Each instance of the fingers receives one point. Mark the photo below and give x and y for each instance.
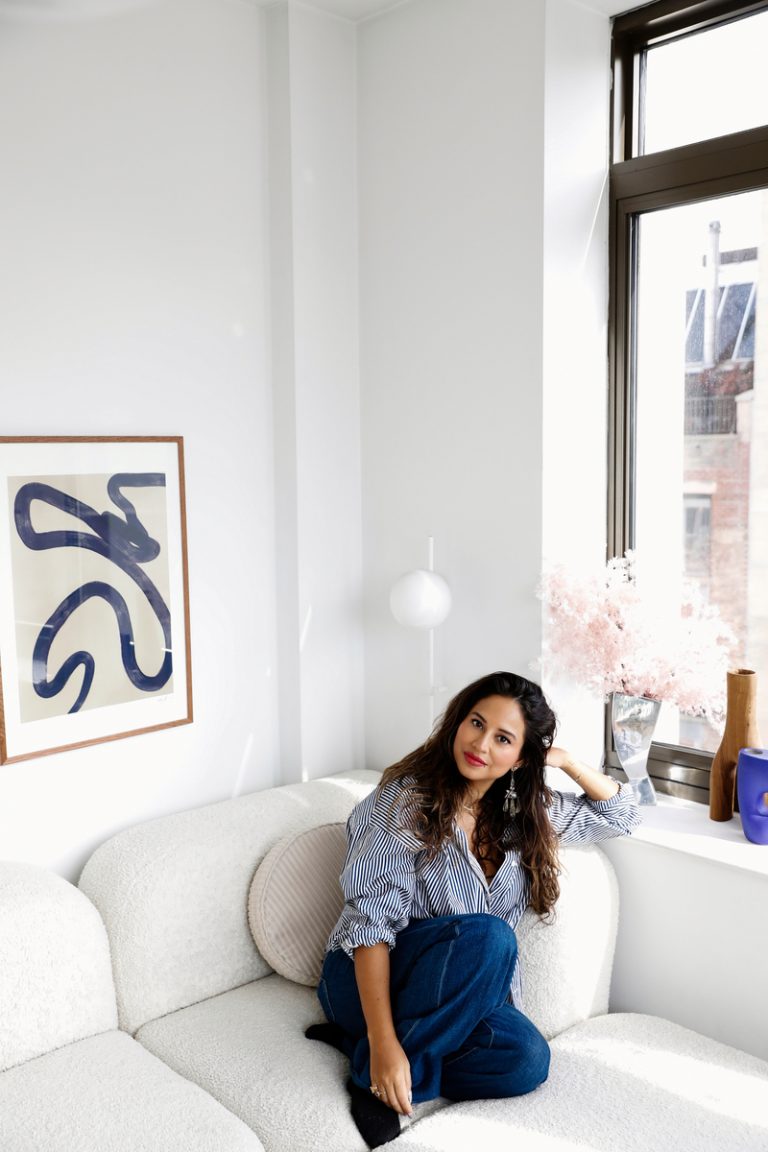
(402, 1102)
(391, 1077)
(396, 1096)
(395, 1099)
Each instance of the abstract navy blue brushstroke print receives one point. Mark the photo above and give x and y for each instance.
(124, 542)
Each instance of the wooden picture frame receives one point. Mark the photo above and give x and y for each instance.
(94, 592)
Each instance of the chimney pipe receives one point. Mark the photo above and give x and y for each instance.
(711, 295)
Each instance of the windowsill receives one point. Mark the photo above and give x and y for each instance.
(684, 826)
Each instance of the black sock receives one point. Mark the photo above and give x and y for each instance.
(328, 1033)
(376, 1123)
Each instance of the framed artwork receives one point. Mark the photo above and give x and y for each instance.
(94, 615)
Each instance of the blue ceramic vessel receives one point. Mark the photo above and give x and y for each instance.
(752, 787)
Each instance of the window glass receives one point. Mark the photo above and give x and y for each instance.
(707, 84)
(701, 495)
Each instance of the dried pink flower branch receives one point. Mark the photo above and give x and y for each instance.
(602, 633)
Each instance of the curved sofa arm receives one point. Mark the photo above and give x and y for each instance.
(55, 975)
(566, 963)
(173, 892)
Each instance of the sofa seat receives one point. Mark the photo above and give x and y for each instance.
(108, 1094)
(619, 1083)
(70, 1081)
(247, 1048)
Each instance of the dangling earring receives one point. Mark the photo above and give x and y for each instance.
(511, 806)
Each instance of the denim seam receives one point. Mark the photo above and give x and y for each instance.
(449, 1061)
(405, 1036)
(470, 1051)
(442, 974)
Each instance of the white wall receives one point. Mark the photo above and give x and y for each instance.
(575, 376)
(317, 429)
(451, 201)
(178, 256)
(692, 943)
(484, 228)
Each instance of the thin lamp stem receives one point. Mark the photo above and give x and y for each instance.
(431, 553)
(431, 678)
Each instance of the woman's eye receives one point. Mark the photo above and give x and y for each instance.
(504, 739)
(475, 722)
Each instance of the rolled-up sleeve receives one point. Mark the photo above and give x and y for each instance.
(379, 872)
(579, 820)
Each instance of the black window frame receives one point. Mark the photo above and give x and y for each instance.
(638, 184)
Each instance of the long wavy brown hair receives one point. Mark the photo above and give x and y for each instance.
(439, 788)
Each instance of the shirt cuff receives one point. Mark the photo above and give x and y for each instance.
(624, 793)
(366, 938)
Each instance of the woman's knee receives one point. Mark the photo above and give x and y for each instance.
(533, 1064)
(491, 933)
(527, 1067)
(500, 1066)
(527, 1052)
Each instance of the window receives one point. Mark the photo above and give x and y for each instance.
(688, 356)
(697, 559)
(715, 80)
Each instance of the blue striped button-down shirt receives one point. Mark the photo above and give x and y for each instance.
(389, 878)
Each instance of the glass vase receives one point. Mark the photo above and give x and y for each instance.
(633, 721)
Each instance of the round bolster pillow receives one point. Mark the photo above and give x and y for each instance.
(295, 900)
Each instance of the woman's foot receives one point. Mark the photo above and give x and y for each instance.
(376, 1123)
(328, 1033)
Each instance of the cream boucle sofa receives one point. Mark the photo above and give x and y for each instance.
(189, 1041)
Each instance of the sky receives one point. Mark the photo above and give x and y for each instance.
(708, 84)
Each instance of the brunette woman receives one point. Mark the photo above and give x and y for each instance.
(420, 982)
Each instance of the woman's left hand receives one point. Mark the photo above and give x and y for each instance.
(596, 785)
(559, 758)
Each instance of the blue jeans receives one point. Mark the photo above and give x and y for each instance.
(449, 984)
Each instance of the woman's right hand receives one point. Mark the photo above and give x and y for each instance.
(391, 1073)
(390, 1070)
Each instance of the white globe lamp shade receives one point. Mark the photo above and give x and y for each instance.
(420, 599)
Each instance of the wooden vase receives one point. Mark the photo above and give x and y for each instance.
(740, 732)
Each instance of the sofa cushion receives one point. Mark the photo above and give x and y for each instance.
(247, 1048)
(109, 1094)
(295, 900)
(566, 961)
(55, 973)
(628, 1082)
(173, 892)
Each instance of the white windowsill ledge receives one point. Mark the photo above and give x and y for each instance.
(685, 826)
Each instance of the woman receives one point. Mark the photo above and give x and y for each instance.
(420, 983)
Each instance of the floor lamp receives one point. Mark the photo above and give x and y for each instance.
(422, 599)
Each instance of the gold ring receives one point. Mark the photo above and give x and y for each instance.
(375, 1090)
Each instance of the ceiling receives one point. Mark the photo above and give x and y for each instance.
(355, 10)
(363, 9)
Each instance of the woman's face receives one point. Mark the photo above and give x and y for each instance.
(489, 742)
